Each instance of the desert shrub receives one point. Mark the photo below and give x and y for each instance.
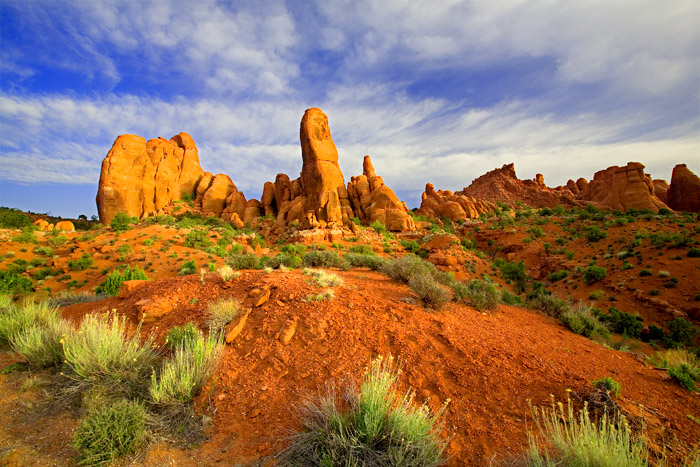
(593, 233)
(282, 259)
(41, 344)
(405, 267)
(622, 322)
(114, 281)
(198, 239)
(220, 313)
(18, 319)
(682, 333)
(296, 249)
(645, 273)
(512, 271)
(429, 291)
(109, 432)
(13, 218)
(12, 283)
(379, 227)
(322, 278)
(376, 426)
(324, 259)
(121, 222)
(508, 298)
(82, 263)
(357, 260)
(683, 375)
(180, 335)
(581, 320)
(71, 298)
(594, 274)
(412, 246)
(596, 295)
(582, 441)
(558, 275)
(694, 253)
(243, 261)
(362, 249)
(459, 289)
(187, 268)
(27, 235)
(124, 251)
(483, 294)
(183, 375)
(549, 304)
(104, 351)
(43, 250)
(57, 240)
(610, 385)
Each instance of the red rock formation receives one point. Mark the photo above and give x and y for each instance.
(327, 203)
(622, 188)
(684, 190)
(454, 206)
(661, 190)
(503, 185)
(373, 201)
(139, 178)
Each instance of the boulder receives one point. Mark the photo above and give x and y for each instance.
(684, 190)
(453, 206)
(65, 225)
(214, 198)
(140, 177)
(623, 188)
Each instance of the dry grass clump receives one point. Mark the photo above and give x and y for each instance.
(327, 294)
(322, 278)
(220, 313)
(227, 273)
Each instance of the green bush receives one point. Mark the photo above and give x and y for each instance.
(623, 323)
(379, 227)
(324, 259)
(508, 298)
(376, 426)
(694, 253)
(13, 218)
(682, 333)
(593, 233)
(412, 246)
(82, 263)
(12, 283)
(581, 320)
(483, 294)
(558, 275)
(198, 239)
(188, 268)
(610, 385)
(645, 273)
(357, 260)
(121, 222)
(683, 375)
(183, 375)
(27, 235)
(103, 351)
(362, 249)
(243, 261)
(594, 274)
(43, 250)
(114, 281)
(281, 259)
(109, 432)
(296, 249)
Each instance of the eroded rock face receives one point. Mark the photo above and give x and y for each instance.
(503, 185)
(453, 206)
(622, 188)
(684, 191)
(327, 203)
(373, 201)
(141, 177)
(661, 190)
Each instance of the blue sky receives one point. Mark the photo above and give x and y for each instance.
(437, 92)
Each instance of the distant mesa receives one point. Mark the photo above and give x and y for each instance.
(140, 178)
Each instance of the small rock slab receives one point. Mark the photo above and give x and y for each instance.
(287, 332)
(128, 287)
(264, 297)
(234, 328)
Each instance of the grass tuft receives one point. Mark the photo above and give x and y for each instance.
(220, 313)
(322, 278)
(379, 427)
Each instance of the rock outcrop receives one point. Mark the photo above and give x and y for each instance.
(619, 188)
(661, 190)
(141, 177)
(503, 185)
(373, 201)
(327, 203)
(684, 191)
(453, 206)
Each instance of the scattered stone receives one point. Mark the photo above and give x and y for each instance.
(264, 297)
(234, 328)
(287, 332)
